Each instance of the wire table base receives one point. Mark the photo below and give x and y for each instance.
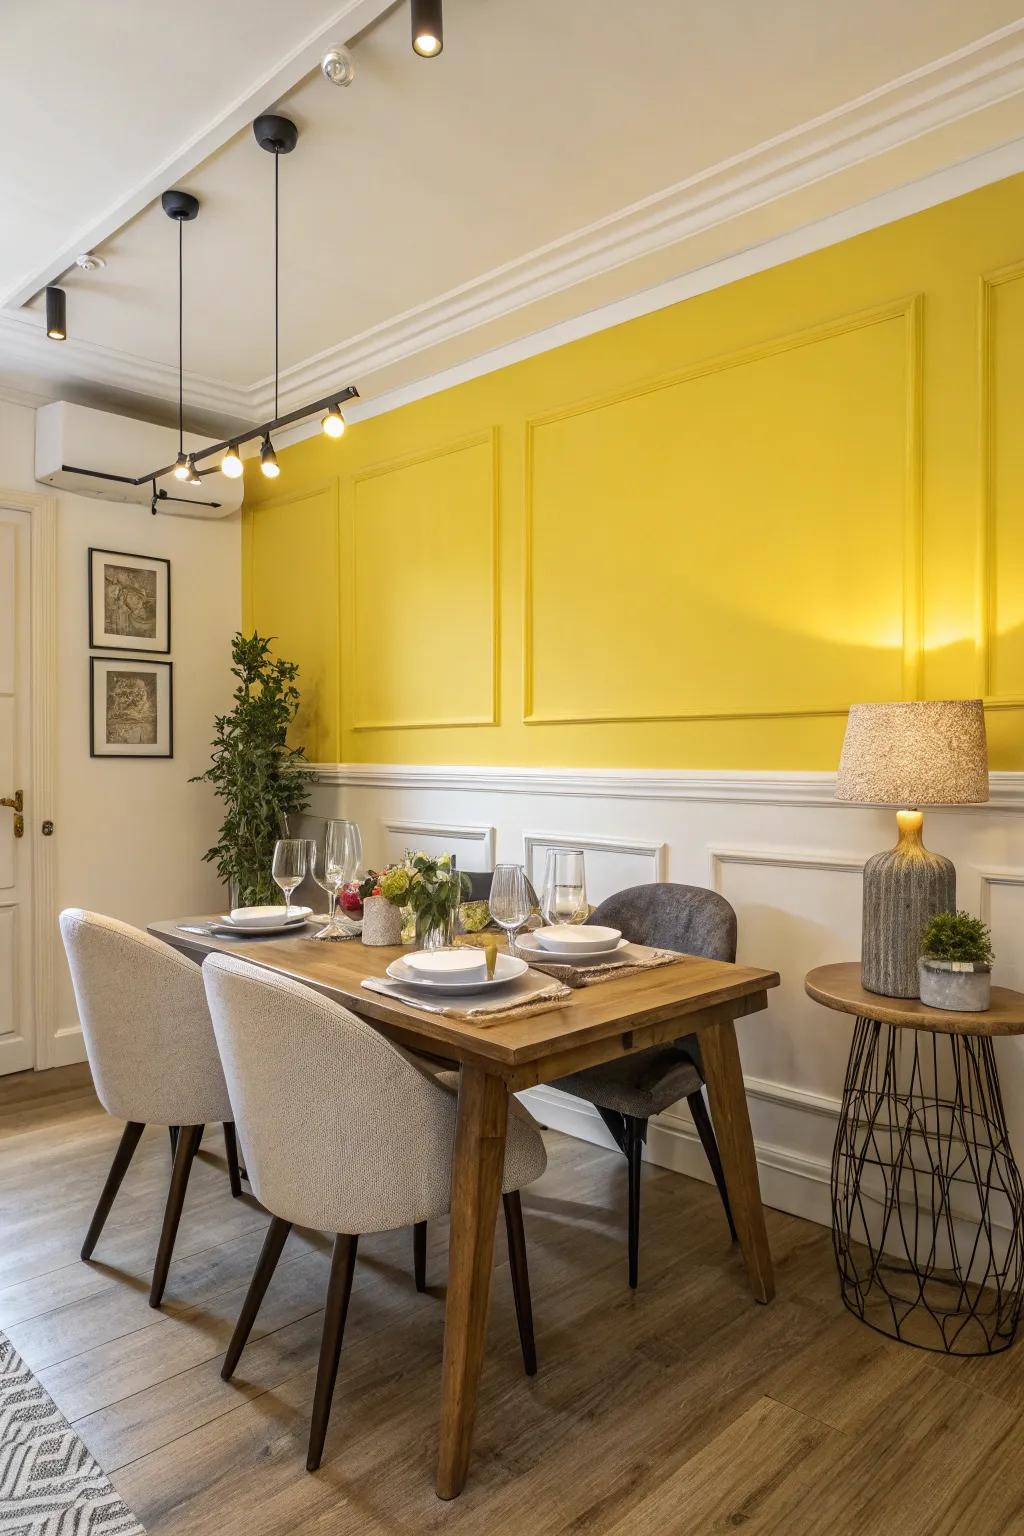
(927, 1200)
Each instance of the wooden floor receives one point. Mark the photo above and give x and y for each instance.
(681, 1408)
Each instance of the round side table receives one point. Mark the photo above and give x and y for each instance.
(927, 1200)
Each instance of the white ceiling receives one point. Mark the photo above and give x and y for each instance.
(435, 208)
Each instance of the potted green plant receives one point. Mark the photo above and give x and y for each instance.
(253, 771)
(955, 967)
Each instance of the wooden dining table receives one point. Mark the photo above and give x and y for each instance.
(594, 1024)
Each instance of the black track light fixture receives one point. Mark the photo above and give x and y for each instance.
(333, 423)
(56, 314)
(231, 464)
(192, 475)
(181, 207)
(427, 28)
(268, 459)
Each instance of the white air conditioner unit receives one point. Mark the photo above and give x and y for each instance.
(75, 444)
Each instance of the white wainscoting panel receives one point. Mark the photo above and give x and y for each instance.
(785, 855)
(473, 846)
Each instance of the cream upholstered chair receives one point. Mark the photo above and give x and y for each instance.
(345, 1133)
(153, 1057)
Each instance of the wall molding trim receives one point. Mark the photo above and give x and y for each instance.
(751, 787)
(982, 74)
(460, 832)
(641, 848)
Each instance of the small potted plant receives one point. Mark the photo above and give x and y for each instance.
(956, 963)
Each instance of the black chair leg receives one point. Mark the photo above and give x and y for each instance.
(419, 1254)
(705, 1130)
(231, 1151)
(616, 1125)
(189, 1137)
(172, 1131)
(118, 1168)
(277, 1236)
(636, 1135)
(520, 1278)
(339, 1290)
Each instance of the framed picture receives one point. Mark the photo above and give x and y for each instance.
(129, 602)
(131, 709)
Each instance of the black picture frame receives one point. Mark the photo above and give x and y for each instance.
(137, 663)
(99, 640)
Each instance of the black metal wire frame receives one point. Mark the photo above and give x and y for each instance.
(927, 1200)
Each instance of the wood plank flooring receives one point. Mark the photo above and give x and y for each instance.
(684, 1407)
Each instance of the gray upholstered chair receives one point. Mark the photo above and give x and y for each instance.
(153, 1057)
(627, 1092)
(346, 1133)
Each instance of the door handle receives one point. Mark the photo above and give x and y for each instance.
(16, 802)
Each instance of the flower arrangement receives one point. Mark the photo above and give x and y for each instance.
(428, 888)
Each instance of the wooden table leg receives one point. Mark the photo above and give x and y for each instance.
(477, 1169)
(736, 1147)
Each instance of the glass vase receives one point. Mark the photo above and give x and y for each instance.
(435, 929)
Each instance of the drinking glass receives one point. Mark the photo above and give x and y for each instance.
(509, 904)
(339, 863)
(316, 849)
(564, 895)
(289, 868)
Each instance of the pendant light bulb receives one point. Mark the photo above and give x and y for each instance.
(427, 28)
(333, 424)
(268, 459)
(231, 464)
(181, 467)
(192, 475)
(56, 314)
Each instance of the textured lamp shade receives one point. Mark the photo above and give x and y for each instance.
(931, 752)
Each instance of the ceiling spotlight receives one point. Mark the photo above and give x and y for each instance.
(90, 262)
(268, 459)
(181, 467)
(333, 423)
(182, 207)
(56, 314)
(231, 464)
(338, 66)
(192, 475)
(427, 28)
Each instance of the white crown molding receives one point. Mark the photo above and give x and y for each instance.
(350, 18)
(983, 74)
(751, 788)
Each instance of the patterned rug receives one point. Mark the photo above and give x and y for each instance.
(49, 1483)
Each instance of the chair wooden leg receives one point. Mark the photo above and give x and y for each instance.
(339, 1290)
(634, 1149)
(520, 1278)
(231, 1151)
(118, 1168)
(277, 1236)
(419, 1254)
(705, 1130)
(189, 1137)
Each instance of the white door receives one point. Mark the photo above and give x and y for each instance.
(17, 1046)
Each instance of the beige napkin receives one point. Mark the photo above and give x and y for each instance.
(635, 959)
(530, 994)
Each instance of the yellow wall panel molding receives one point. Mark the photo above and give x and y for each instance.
(908, 311)
(442, 655)
(987, 552)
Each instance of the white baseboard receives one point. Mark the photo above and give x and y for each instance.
(66, 1047)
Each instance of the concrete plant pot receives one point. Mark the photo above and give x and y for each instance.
(956, 985)
(382, 921)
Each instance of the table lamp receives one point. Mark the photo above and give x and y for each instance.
(929, 752)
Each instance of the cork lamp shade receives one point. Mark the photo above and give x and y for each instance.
(924, 752)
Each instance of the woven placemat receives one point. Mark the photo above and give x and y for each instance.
(534, 997)
(636, 958)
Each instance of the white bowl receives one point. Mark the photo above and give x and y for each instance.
(266, 917)
(576, 938)
(448, 964)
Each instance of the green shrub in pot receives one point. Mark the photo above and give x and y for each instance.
(956, 963)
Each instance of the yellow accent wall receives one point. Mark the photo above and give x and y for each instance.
(688, 541)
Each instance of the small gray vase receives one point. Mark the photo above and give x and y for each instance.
(954, 985)
(382, 921)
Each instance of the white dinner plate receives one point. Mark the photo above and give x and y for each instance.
(506, 968)
(265, 917)
(527, 945)
(298, 920)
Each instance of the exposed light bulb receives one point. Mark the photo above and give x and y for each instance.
(231, 464)
(181, 467)
(192, 474)
(333, 424)
(268, 459)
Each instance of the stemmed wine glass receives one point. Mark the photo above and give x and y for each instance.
(564, 895)
(289, 868)
(510, 902)
(340, 861)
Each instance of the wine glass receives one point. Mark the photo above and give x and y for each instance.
(289, 868)
(564, 895)
(340, 862)
(316, 848)
(509, 902)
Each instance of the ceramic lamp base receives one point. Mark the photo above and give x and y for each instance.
(903, 888)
